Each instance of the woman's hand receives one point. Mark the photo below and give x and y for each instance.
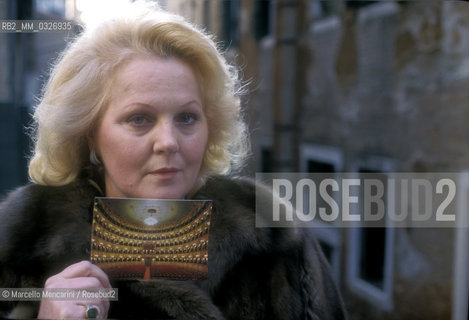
(80, 275)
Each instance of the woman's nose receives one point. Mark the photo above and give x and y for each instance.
(165, 138)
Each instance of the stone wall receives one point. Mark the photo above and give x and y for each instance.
(386, 81)
(390, 81)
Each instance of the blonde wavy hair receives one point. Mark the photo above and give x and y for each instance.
(78, 92)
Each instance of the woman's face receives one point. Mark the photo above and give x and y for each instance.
(153, 134)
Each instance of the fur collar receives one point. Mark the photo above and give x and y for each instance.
(255, 273)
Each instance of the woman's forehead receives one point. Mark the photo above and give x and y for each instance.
(154, 79)
(146, 69)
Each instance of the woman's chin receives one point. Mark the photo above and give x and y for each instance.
(162, 194)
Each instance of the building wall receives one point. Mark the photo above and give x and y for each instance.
(379, 84)
(204, 13)
(418, 116)
(416, 62)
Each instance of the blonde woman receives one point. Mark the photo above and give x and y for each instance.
(145, 106)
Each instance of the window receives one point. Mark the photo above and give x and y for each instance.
(325, 159)
(323, 8)
(266, 159)
(372, 243)
(319, 166)
(370, 255)
(321, 159)
(357, 4)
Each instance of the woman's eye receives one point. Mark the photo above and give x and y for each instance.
(138, 120)
(187, 118)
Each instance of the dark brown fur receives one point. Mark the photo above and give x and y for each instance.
(254, 273)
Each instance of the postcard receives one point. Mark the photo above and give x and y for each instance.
(148, 239)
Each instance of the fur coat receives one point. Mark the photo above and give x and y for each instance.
(254, 273)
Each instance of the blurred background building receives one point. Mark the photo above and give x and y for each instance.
(25, 59)
(334, 86)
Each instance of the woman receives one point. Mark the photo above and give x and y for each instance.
(146, 107)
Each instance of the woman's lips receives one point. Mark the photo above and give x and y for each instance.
(165, 173)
